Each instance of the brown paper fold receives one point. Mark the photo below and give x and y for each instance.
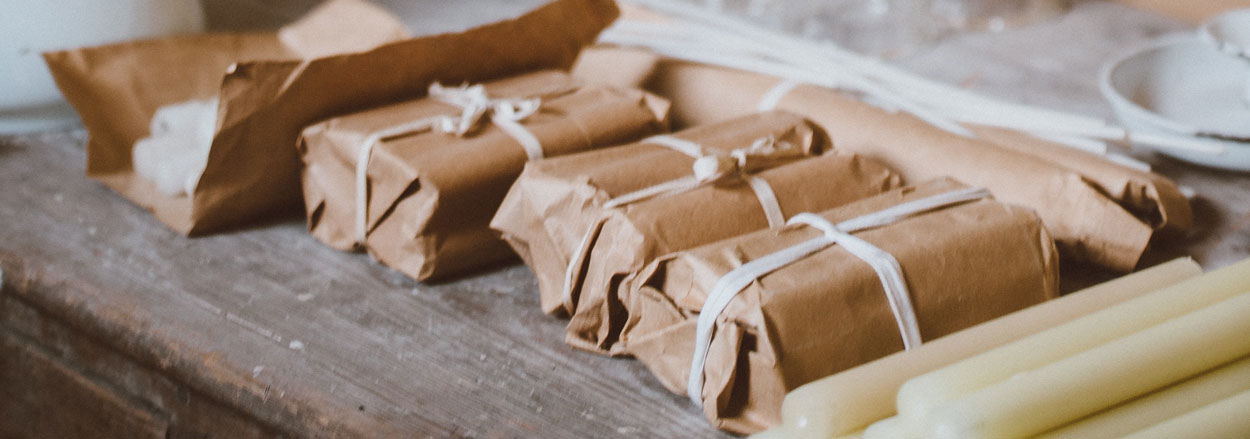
(963, 264)
(621, 67)
(431, 195)
(630, 238)
(554, 203)
(618, 242)
(1151, 197)
(116, 88)
(1098, 212)
(253, 166)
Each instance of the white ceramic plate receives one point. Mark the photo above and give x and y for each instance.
(1184, 86)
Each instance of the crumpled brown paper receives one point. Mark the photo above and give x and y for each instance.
(553, 204)
(1098, 212)
(963, 264)
(627, 239)
(116, 89)
(268, 94)
(431, 194)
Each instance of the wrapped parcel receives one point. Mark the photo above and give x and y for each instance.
(757, 324)
(422, 197)
(554, 214)
(627, 239)
(1098, 212)
(346, 56)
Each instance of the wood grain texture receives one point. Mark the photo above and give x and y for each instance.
(45, 399)
(307, 340)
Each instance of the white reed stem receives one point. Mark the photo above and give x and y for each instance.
(719, 39)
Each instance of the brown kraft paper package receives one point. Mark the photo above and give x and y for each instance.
(116, 88)
(628, 238)
(548, 212)
(268, 95)
(827, 312)
(1098, 212)
(431, 195)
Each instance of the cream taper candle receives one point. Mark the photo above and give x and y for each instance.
(1211, 386)
(1035, 401)
(892, 428)
(1221, 420)
(853, 399)
(917, 396)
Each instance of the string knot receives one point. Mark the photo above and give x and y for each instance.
(475, 105)
(764, 152)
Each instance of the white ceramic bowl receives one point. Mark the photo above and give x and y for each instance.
(29, 99)
(1230, 32)
(1183, 86)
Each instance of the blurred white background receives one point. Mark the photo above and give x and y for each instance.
(422, 16)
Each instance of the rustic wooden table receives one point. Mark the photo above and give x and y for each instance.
(113, 326)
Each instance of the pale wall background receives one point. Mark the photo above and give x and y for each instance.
(422, 16)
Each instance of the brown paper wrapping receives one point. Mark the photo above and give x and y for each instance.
(621, 67)
(963, 265)
(1151, 197)
(629, 238)
(1099, 213)
(431, 194)
(116, 88)
(555, 202)
(268, 95)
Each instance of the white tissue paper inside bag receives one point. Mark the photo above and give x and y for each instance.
(175, 152)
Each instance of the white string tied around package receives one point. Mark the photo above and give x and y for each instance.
(883, 263)
(708, 168)
(475, 105)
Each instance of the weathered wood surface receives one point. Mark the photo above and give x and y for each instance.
(308, 340)
(272, 333)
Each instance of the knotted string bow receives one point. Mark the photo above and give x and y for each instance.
(764, 152)
(887, 268)
(475, 105)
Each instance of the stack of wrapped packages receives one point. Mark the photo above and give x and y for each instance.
(1100, 213)
(588, 222)
(778, 237)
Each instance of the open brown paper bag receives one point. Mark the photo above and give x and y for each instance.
(431, 195)
(268, 94)
(117, 88)
(963, 264)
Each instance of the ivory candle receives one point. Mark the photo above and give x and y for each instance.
(1214, 385)
(919, 395)
(892, 428)
(1220, 420)
(1035, 401)
(853, 399)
